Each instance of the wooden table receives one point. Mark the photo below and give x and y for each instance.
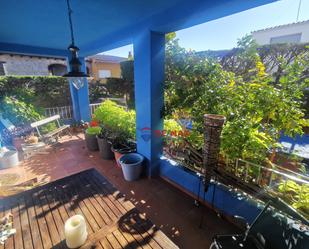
(112, 221)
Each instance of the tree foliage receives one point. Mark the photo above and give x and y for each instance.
(123, 86)
(42, 91)
(257, 105)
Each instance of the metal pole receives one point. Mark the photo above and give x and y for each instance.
(298, 11)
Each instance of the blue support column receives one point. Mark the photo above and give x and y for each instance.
(80, 99)
(149, 51)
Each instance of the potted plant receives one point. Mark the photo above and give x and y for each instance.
(90, 137)
(122, 145)
(132, 166)
(77, 127)
(104, 143)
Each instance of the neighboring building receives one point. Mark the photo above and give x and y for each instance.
(99, 67)
(289, 33)
(12, 64)
(102, 66)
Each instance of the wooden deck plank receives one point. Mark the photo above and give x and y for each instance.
(53, 231)
(105, 212)
(90, 203)
(9, 243)
(68, 209)
(47, 243)
(2, 214)
(103, 200)
(78, 199)
(124, 207)
(112, 221)
(113, 241)
(72, 203)
(34, 226)
(122, 240)
(106, 245)
(53, 207)
(25, 227)
(109, 196)
(18, 240)
(160, 238)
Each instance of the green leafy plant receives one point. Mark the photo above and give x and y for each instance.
(19, 112)
(116, 120)
(296, 195)
(171, 126)
(95, 130)
(43, 91)
(258, 106)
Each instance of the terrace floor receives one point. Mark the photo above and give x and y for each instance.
(168, 208)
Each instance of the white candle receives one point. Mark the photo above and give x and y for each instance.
(75, 231)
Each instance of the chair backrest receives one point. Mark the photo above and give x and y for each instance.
(45, 121)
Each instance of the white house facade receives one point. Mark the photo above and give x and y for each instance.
(288, 33)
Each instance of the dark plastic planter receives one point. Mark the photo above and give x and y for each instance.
(105, 148)
(132, 166)
(119, 151)
(91, 142)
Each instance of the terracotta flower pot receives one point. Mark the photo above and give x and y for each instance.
(119, 151)
(117, 156)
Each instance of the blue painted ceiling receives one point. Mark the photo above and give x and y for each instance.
(103, 24)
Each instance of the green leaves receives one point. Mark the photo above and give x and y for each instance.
(18, 112)
(296, 195)
(258, 106)
(95, 130)
(119, 122)
(42, 91)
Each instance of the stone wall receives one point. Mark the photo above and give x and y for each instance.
(28, 65)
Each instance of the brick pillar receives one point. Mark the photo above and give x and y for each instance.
(212, 131)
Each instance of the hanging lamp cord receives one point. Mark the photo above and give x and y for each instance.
(70, 21)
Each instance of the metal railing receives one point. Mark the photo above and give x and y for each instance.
(263, 176)
(65, 112)
(93, 107)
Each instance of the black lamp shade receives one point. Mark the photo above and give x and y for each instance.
(75, 64)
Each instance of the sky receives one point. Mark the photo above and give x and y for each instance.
(223, 33)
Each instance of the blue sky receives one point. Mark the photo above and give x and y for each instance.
(224, 32)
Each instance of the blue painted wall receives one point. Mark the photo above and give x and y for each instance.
(149, 49)
(222, 198)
